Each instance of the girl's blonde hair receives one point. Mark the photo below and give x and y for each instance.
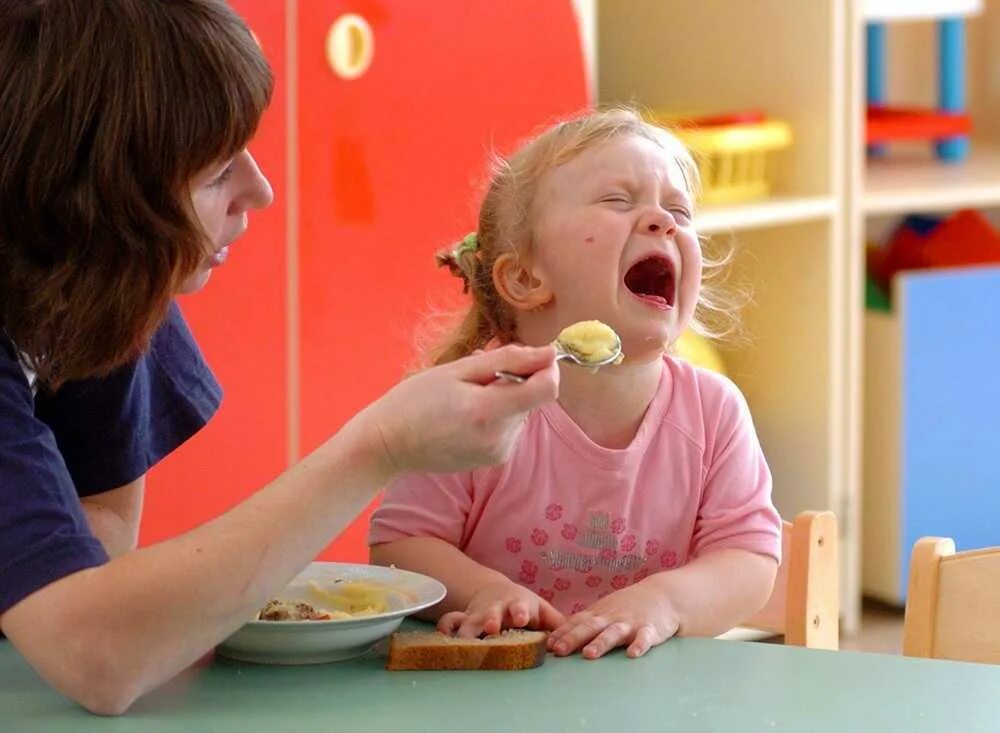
(505, 225)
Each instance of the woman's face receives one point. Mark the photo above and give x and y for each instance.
(222, 195)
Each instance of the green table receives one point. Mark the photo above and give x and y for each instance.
(684, 685)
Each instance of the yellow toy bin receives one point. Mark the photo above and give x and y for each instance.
(699, 351)
(732, 152)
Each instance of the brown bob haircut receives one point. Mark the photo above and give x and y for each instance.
(108, 110)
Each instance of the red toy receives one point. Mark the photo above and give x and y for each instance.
(892, 124)
(965, 238)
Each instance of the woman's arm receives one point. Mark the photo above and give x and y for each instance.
(114, 516)
(106, 635)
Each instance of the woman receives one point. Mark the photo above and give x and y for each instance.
(124, 178)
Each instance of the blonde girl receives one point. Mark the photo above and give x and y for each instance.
(638, 506)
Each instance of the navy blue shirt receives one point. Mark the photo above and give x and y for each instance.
(88, 437)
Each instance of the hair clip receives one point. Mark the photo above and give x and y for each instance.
(452, 259)
(469, 243)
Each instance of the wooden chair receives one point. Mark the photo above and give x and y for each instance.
(805, 604)
(953, 603)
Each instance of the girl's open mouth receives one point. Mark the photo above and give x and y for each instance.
(652, 280)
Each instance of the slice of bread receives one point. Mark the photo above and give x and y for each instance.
(509, 650)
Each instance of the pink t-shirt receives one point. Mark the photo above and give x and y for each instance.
(574, 521)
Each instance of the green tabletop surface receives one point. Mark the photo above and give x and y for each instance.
(683, 685)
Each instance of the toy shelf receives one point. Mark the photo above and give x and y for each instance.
(802, 248)
(911, 455)
(774, 211)
(796, 367)
(908, 179)
(896, 10)
(930, 452)
(918, 183)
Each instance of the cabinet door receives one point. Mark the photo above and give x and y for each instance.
(391, 166)
(240, 322)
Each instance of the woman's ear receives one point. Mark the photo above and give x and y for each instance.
(517, 284)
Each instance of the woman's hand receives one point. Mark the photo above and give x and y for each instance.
(640, 616)
(502, 605)
(459, 415)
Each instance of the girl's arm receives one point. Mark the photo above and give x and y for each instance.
(705, 597)
(461, 575)
(480, 600)
(717, 591)
(106, 635)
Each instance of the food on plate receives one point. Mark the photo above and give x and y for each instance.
(426, 650)
(343, 599)
(278, 610)
(354, 597)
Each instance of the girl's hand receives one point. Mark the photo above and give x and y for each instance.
(640, 617)
(503, 605)
(459, 416)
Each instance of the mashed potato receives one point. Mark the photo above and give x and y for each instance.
(591, 341)
(341, 600)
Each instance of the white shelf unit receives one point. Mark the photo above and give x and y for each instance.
(800, 369)
(803, 249)
(909, 180)
(894, 10)
(775, 211)
(916, 182)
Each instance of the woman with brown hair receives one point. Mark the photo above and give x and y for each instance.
(124, 178)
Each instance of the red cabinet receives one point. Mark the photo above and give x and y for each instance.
(241, 323)
(390, 165)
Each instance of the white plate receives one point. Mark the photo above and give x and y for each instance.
(315, 642)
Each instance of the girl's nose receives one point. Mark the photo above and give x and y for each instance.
(658, 222)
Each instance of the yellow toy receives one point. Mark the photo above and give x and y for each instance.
(732, 152)
(699, 351)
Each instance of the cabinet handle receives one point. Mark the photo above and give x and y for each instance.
(350, 46)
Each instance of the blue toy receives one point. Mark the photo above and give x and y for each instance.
(951, 106)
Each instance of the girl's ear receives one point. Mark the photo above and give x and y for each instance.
(515, 281)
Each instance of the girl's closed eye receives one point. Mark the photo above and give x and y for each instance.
(681, 214)
(618, 197)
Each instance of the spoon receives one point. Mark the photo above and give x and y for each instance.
(563, 352)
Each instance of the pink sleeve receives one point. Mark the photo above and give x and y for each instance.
(736, 510)
(423, 505)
